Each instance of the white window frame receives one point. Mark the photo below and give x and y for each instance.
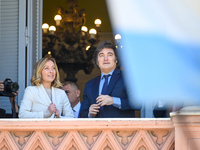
(30, 41)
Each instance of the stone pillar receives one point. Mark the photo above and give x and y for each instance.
(187, 128)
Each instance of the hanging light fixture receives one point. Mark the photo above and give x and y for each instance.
(69, 42)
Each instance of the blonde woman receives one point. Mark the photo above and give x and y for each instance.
(44, 99)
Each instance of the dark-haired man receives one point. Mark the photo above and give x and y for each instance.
(12, 102)
(105, 96)
(73, 94)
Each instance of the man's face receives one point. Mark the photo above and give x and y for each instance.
(72, 94)
(106, 60)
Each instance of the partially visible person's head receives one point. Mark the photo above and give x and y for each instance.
(46, 70)
(105, 56)
(72, 91)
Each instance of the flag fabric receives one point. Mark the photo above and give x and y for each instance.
(160, 53)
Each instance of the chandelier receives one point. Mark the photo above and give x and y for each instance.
(69, 42)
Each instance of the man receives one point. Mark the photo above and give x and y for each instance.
(73, 93)
(162, 109)
(105, 96)
(12, 102)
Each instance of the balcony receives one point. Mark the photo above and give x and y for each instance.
(102, 134)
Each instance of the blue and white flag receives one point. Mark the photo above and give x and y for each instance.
(160, 53)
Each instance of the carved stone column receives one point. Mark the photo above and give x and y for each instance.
(187, 128)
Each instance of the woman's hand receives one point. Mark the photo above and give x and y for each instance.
(52, 108)
(57, 114)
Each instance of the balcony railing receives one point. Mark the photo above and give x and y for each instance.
(182, 132)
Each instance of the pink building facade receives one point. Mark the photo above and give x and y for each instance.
(180, 132)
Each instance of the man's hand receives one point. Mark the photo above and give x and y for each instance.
(93, 110)
(13, 97)
(12, 100)
(1, 86)
(103, 100)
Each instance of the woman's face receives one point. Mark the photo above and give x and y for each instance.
(48, 72)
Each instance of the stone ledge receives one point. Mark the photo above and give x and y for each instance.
(84, 134)
(23, 124)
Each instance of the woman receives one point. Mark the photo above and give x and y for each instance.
(44, 99)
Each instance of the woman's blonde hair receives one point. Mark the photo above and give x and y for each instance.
(36, 79)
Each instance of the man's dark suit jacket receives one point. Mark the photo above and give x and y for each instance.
(116, 88)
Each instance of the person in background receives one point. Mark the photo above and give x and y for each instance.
(12, 102)
(105, 96)
(73, 93)
(44, 99)
(162, 109)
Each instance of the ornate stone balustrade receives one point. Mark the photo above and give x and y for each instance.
(87, 134)
(187, 128)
